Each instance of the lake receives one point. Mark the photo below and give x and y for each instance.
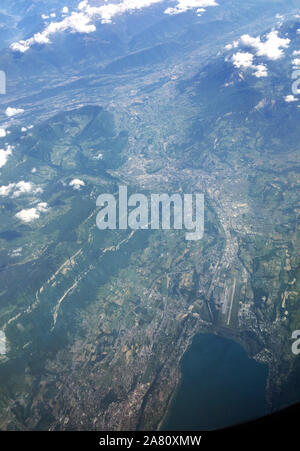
(220, 386)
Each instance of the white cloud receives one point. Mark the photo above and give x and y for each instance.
(42, 207)
(4, 154)
(16, 252)
(83, 4)
(65, 10)
(296, 62)
(21, 46)
(17, 189)
(290, 98)
(81, 21)
(296, 52)
(13, 111)
(108, 11)
(76, 184)
(242, 59)
(44, 16)
(76, 22)
(28, 215)
(6, 190)
(2, 132)
(25, 188)
(272, 47)
(31, 214)
(185, 5)
(233, 45)
(260, 71)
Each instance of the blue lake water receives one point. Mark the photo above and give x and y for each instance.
(220, 386)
